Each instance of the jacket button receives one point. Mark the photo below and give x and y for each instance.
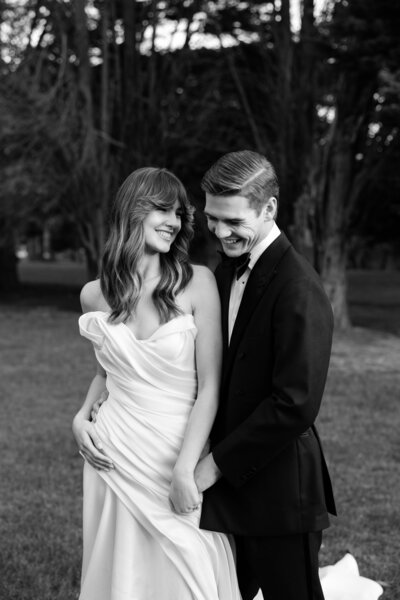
(242, 355)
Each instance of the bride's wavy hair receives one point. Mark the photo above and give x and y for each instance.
(144, 190)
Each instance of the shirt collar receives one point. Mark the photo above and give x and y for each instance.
(263, 245)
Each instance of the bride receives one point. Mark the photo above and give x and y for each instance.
(154, 322)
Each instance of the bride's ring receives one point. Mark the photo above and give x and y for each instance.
(81, 453)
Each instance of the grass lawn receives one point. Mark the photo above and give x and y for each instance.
(359, 425)
(45, 369)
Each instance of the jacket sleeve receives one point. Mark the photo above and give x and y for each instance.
(302, 325)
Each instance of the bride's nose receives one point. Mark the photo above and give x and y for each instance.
(173, 220)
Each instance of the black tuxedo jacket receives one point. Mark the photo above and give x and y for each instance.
(274, 476)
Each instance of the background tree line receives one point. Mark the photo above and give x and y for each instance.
(91, 90)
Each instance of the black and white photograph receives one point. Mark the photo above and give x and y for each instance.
(199, 300)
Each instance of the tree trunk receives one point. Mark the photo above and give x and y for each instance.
(284, 150)
(153, 61)
(9, 279)
(84, 73)
(106, 116)
(305, 127)
(244, 101)
(130, 70)
(333, 273)
(93, 169)
(331, 238)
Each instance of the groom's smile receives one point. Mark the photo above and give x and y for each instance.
(237, 225)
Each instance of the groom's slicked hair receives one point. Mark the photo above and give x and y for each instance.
(244, 173)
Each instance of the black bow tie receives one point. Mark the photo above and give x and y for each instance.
(238, 263)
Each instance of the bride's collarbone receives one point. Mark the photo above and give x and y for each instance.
(145, 319)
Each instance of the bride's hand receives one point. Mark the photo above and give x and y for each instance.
(89, 444)
(184, 495)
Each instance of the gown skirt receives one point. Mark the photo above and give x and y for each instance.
(134, 546)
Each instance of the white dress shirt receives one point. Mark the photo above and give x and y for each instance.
(238, 285)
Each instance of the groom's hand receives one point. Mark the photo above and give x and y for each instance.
(206, 473)
(96, 406)
(89, 444)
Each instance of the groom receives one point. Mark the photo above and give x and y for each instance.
(266, 479)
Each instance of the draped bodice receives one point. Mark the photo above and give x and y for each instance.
(157, 373)
(133, 533)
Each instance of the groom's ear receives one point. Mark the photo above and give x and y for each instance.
(270, 209)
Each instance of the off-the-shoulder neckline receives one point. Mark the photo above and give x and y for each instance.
(148, 339)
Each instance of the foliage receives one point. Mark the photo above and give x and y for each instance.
(93, 90)
(356, 131)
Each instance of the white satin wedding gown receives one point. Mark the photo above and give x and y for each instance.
(134, 546)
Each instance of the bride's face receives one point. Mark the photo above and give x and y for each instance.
(161, 226)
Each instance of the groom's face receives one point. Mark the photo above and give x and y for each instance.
(237, 225)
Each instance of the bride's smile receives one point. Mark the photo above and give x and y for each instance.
(160, 227)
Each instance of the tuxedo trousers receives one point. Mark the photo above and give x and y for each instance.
(284, 567)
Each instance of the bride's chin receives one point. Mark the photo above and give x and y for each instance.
(159, 249)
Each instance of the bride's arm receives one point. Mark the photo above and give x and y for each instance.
(88, 442)
(206, 308)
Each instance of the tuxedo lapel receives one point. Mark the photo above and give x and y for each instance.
(224, 275)
(260, 277)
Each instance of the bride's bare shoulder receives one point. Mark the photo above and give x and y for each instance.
(201, 274)
(203, 281)
(91, 297)
(203, 292)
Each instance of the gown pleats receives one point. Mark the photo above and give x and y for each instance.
(134, 546)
